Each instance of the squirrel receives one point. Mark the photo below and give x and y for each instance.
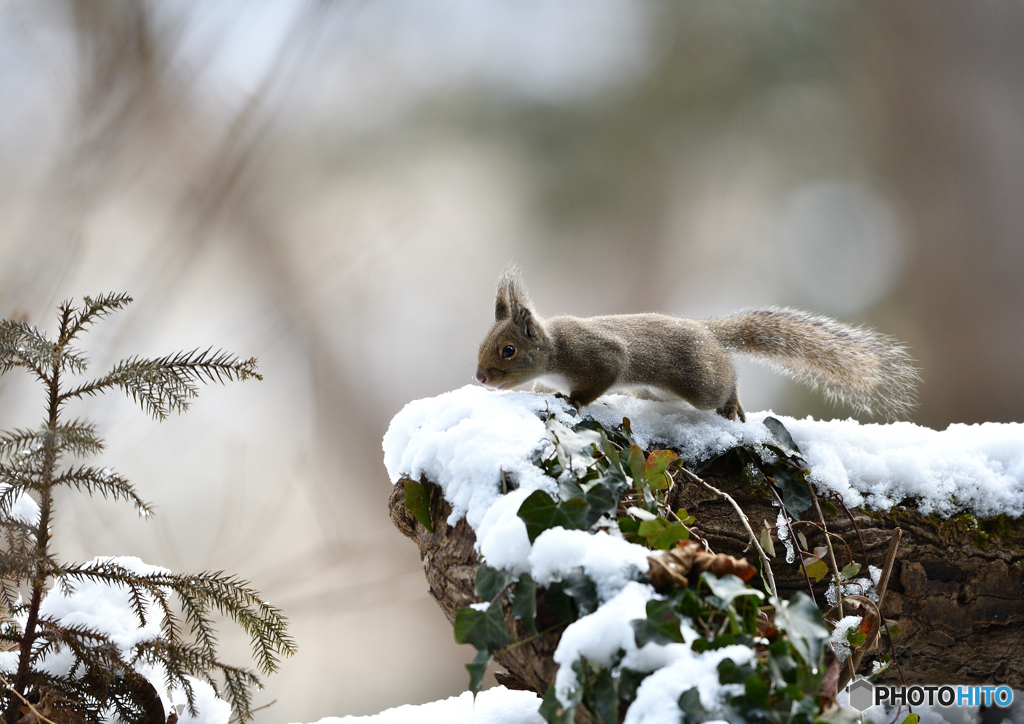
(658, 355)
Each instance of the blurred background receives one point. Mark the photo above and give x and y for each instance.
(334, 187)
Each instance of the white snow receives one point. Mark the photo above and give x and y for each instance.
(839, 633)
(658, 694)
(609, 561)
(492, 706)
(974, 468)
(464, 439)
(24, 509)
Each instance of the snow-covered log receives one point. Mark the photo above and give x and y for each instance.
(956, 592)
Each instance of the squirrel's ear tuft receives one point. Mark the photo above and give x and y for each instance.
(501, 308)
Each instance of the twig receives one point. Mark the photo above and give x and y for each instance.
(793, 539)
(824, 531)
(528, 639)
(238, 718)
(853, 662)
(765, 563)
(831, 551)
(24, 701)
(856, 528)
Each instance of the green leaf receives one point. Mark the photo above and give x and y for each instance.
(793, 489)
(629, 682)
(661, 625)
(417, 502)
(601, 501)
(727, 588)
(524, 602)
(829, 508)
(729, 672)
(655, 469)
(804, 626)
(636, 463)
(693, 710)
(540, 513)
(575, 448)
(604, 697)
(484, 630)
(659, 534)
(582, 589)
(850, 571)
(559, 601)
(477, 669)
(855, 637)
(911, 718)
(553, 711)
(630, 527)
(757, 689)
(490, 582)
(780, 433)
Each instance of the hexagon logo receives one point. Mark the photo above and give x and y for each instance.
(862, 694)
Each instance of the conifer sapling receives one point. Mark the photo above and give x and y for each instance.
(103, 680)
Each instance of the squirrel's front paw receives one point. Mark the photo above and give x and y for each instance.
(568, 399)
(732, 410)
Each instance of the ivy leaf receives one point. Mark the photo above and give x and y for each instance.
(575, 448)
(604, 697)
(560, 602)
(792, 486)
(540, 513)
(656, 467)
(661, 625)
(553, 711)
(417, 502)
(601, 500)
(484, 630)
(524, 602)
(693, 710)
(815, 565)
(727, 588)
(636, 462)
(582, 589)
(477, 669)
(804, 626)
(780, 433)
(815, 568)
(850, 571)
(490, 581)
(630, 527)
(660, 535)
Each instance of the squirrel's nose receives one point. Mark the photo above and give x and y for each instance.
(481, 377)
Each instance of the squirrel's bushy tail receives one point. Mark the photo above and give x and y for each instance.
(869, 370)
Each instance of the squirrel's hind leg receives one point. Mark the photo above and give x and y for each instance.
(731, 408)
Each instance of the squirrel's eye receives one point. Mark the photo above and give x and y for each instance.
(508, 351)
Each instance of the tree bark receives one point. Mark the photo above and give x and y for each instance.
(956, 591)
(450, 563)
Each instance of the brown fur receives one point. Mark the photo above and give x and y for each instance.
(690, 359)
